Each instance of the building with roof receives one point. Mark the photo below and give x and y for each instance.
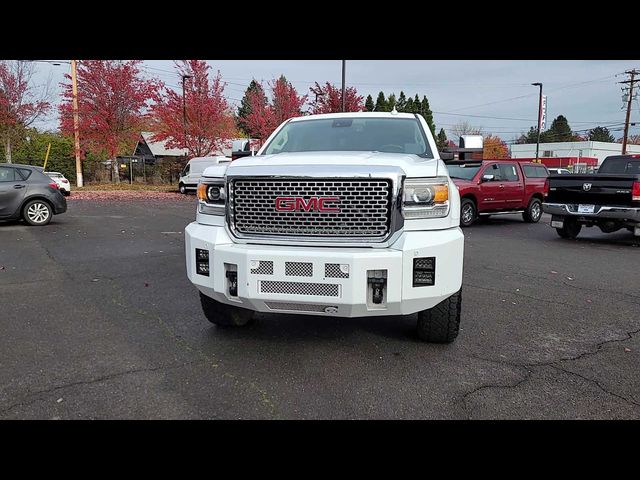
(556, 153)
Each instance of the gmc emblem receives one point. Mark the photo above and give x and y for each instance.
(317, 204)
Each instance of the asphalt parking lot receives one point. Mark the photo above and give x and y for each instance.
(99, 321)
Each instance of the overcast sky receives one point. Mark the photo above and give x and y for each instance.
(586, 92)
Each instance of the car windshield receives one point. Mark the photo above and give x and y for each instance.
(464, 172)
(362, 134)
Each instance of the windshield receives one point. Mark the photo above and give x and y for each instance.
(465, 172)
(392, 135)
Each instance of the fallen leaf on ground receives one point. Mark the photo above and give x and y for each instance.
(627, 349)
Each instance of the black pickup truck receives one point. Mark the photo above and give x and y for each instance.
(609, 199)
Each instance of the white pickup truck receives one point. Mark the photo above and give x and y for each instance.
(346, 214)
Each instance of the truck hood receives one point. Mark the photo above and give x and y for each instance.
(305, 163)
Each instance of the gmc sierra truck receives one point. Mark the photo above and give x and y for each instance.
(609, 199)
(346, 215)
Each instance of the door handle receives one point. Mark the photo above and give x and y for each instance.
(18, 186)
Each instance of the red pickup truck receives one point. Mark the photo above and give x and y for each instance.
(492, 187)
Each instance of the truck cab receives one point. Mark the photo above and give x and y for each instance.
(339, 215)
(491, 187)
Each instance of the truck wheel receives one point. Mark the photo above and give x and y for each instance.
(225, 315)
(182, 189)
(468, 212)
(570, 230)
(441, 323)
(533, 213)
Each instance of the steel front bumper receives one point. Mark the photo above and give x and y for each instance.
(315, 289)
(619, 213)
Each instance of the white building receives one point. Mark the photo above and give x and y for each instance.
(599, 150)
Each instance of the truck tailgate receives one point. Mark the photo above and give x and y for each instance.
(597, 189)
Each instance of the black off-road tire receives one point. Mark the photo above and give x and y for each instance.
(224, 315)
(570, 230)
(441, 324)
(533, 213)
(468, 212)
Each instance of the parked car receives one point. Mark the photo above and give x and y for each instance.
(192, 172)
(499, 187)
(609, 199)
(559, 171)
(275, 232)
(27, 193)
(63, 184)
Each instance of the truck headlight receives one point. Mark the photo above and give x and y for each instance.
(425, 198)
(211, 197)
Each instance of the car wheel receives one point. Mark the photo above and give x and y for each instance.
(441, 323)
(37, 212)
(224, 315)
(533, 213)
(182, 188)
(468, 213)
(570, 229)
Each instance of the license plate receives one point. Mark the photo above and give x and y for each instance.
(586, 208)
(557, 223)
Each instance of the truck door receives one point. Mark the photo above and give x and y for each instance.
(513, 186)
(12, 190)
(491, 189)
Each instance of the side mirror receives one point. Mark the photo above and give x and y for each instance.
(240, 148)
(446, 156)
(488, 178)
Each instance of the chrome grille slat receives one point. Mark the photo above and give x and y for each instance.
(364, 207)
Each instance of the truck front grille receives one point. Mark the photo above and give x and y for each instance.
(364, 207)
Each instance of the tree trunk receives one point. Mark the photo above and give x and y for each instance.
(7, 149)
(116, 170)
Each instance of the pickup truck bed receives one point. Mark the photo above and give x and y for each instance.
(609, 199)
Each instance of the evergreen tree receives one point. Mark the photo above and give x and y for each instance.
(391, 102)
(560, 130)
(368, 104)
(417, 105)
(401, 104)
(245, 108)
(381, 103)
(441, 139)
(426, 112)
(601, 134)
(409, 106)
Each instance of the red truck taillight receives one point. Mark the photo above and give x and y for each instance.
(635, 192)
(54, 185)
(545, 190)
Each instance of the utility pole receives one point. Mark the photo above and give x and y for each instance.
(538, 84)
(76, 127)
(344, 67)
(631, 81)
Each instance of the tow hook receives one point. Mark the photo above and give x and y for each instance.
(378, 285)
(233, 283)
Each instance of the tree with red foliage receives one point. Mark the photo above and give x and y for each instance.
(209, 125)
(20, 102)
(328, 99)
(265, 117)
(494, 147)
(113, 100)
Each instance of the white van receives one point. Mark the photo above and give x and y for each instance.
(190, 175)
